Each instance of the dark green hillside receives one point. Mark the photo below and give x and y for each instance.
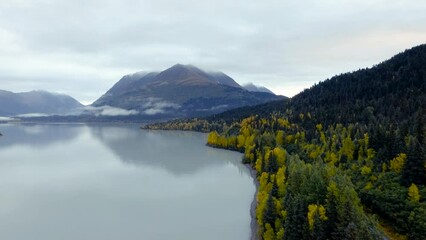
(391, 91)
(237, 114)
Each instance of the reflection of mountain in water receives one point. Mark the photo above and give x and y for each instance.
(176, 152)
(36, 135)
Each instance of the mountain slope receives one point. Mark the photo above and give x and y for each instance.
(180, 91)
(132, 81)
(40, 102)
(223, 79)
(394, 88)
(253, 88)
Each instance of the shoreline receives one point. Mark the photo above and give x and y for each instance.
(253, 222)
(253, 174)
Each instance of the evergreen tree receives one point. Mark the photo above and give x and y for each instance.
(414, 169)
(273, 165)
(274, 190)
(270, 213)
(295, 222)
(420, 127)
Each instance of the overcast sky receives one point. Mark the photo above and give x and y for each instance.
(82, 47)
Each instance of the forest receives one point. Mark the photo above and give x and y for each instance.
(345, 159)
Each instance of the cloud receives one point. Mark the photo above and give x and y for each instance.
(214, 108)
(6, 119)
(107, 111)
(159, 103)
(154, 106)
(150, 106)
(111, 111)
(83, 47)
(32, 115)
(153, 111)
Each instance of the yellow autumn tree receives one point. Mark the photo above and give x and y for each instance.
(269, 234)
(331, 157)
(398, 162)
(212, 138)
(365, 170)
(283, 123)
(241, 141)
(280, 178)
(262, 195)
(280, 233)
(413, 193)
(348, 148)
(279, 138)
(313, 210)
(280, 154)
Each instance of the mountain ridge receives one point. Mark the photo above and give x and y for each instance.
(36, 101)
(181, 91)
(254, 88)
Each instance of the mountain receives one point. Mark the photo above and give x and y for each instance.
(131, 81)
(253, 88)
(35, 102)
(180, 91)
(394, 89)
(223, 79)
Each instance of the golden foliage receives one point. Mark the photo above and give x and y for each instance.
(313, 210)
(398, 162)
(413, 193)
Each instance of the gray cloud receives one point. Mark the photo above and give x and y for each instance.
(82, 47)
(107, 111)
(154, 106)
(33, 115)
(215, 108)
(6, 119)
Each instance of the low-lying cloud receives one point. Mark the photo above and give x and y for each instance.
(155, 106)
(108, 111)
(214, 108)
(6, 119)
(29, 115)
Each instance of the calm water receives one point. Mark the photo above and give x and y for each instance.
(118, 182)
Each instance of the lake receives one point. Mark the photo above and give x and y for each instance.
(81, 182)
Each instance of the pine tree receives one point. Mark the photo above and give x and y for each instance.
(273, 165)
(420, 127)
(270, 212)
(295, 223)
(274, 190)
(414, 169)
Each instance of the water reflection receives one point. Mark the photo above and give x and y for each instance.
(35, 135)
(129, 143)
(171, 150)
(117, 182)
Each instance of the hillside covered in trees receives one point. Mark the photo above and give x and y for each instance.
(345, 159)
